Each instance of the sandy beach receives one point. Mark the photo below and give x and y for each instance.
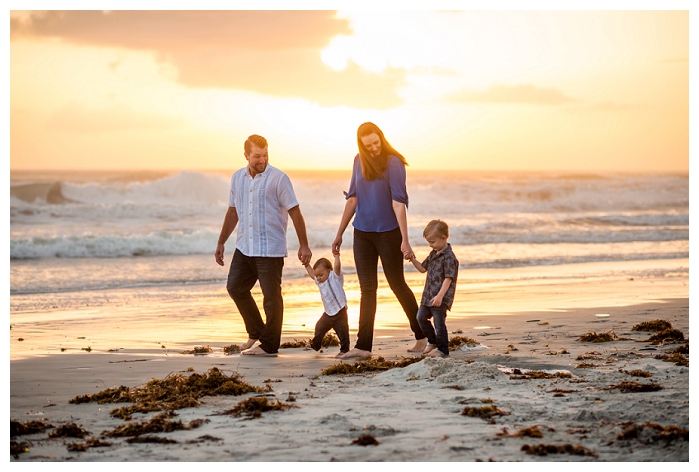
(412, 413)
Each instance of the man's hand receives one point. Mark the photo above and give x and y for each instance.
(305, 255)
(219, 254)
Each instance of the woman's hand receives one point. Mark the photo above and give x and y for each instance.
(407, 251)
(336, 245)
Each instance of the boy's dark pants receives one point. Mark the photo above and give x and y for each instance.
(440, 338)
(244, 273)
(337, 322)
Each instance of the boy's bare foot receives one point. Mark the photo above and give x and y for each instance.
(355, 353)
(419, 346)
(248, 344)
(436, 353)
(257, 351)
(429, 348)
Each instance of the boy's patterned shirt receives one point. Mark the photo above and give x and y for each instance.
(440, 266)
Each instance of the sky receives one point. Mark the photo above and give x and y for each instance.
(484, 90)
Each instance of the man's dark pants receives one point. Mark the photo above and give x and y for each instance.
(244, 273)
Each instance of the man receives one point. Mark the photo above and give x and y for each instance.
(260, 200)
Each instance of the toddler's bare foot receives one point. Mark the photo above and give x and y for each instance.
(436, 353)
(248, 344)
(419, 346)
(257, 351)
(429, 348)
(355, 353)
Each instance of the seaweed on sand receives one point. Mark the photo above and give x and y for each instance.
(636, 373)
(91, 442)
(172, 393)
(518, 374)
(587, 365)
(17, 448)
(199, 350)
(593, 337)
(160, 423)
(150, 439)
(253, 407)
(680, 350)
(232, 349)
(457, 342)
(485, 412)
(378, 364)
(635, 387)
(329, 340)
(30, 427)
(593, 356)
(651, 432)
(545, 449)
(655, 325)
(295, 343)
(69, 430)
(530, 432)
(667, 336)
(677, 358)
(366, 440)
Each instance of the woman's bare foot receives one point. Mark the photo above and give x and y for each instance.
(436, 353)
(429, 348)
(248, 344)
(419, 346)
(257, 351)
(355, 353)
(339, 355)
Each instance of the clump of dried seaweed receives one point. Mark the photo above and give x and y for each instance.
(562, 390)
(150, 439)
(593, 356)
(366, 440)
(232, 349)
(636, 373)
(545, 449)
(593, 337)
(69, 430)
(368, 365)
(30, 427)
(667, 336)
(199, 350)
(518, 374)
(655, 325)
(91, 442)
(455, 387)
(677, 358)
(485, 412)
(530, 432)
(651, 432)
(160, 423)
(587, 365)
(635, 387)
(253, 407)
(295, 343)
(680, 350)
(172, 393)
(201, 439)
(457, 342)
(17, 448)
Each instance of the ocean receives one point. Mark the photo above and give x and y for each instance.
(73, 232)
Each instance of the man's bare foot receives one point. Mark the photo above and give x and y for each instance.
(355, 353)
(429, 348)
(436, 353)
(257, 351)
(248, 344)
(419, 346)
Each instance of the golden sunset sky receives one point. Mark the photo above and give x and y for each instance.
(494, 90)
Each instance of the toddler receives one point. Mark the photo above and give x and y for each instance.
(442, 269)
(330, 281)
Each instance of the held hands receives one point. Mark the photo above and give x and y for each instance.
(336, 245)
(407, 251)
(305, 255)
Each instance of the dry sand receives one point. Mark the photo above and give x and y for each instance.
(414, 413)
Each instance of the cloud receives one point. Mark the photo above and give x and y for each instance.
(517, 94)
(77, 118)
(270, 52)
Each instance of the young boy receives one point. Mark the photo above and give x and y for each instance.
(442, 269)
(330, 280)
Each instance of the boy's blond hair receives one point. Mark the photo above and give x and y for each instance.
(436, 227)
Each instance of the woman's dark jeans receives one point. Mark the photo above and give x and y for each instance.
(368, 248)
(440, 338)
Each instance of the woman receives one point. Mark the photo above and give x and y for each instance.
(377, 199)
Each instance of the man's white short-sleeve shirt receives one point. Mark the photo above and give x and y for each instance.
(262, 204)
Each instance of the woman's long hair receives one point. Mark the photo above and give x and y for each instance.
(374, 167)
